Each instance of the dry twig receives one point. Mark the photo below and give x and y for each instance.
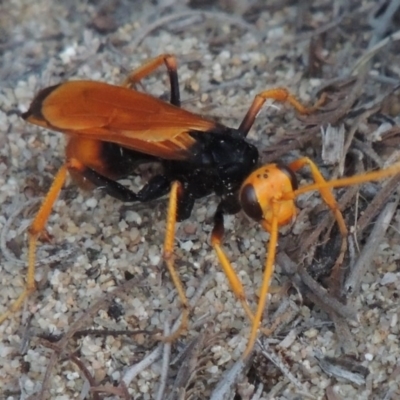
(315, 291)
(190, 14)
(225, 386)
(353, 282)
(271, 355)
(61, 254)
(165, 364)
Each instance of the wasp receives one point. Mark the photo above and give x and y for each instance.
(111, 130)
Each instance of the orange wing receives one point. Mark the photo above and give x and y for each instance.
(119, 115)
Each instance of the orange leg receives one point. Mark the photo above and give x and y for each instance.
(268, 271)
(350, 181)
(329, 199)
(176, 190)
(323, 187)
(35, 230)
(278, 94)
(234, 281)
(147, 68)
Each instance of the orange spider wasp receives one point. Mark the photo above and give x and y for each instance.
(113, 129)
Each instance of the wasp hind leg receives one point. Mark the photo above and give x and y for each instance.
(147, 68)
(157, 187)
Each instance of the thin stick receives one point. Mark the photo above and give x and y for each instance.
(136, 369)
(315, 291)
(377, 203)
(192, 13)
(267, 352)
(258, 393)
(165, 364)
(85, 318)
(9, 256)
(224, 388)
(367, 56)
(353, 282)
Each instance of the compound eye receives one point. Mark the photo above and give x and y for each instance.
(249, 202)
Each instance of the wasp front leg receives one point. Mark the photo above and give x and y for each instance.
(234, 281)
(35, 230)
(329, 199)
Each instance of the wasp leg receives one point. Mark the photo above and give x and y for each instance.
(342, 182)
(147, 68)
(329, 199)
(268, 272)
(234, 281)
(35, 230)
(323, 187)
(109, 186)
(278, 94)
(185, 206)
(157, 187)
(168, 255)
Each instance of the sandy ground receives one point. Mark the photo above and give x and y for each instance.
(97, 243)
